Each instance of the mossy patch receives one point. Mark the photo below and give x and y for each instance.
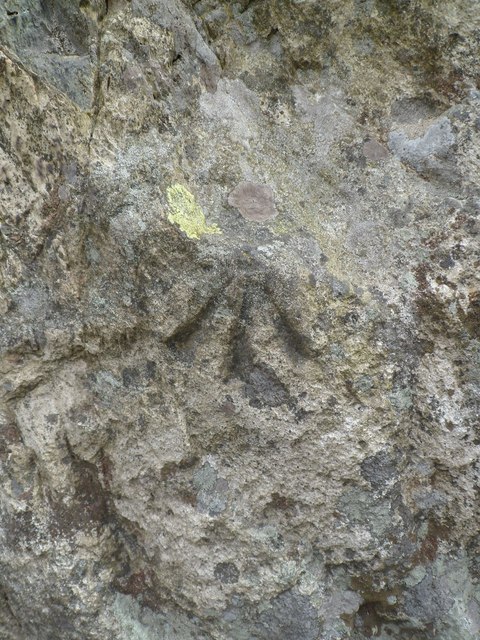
(186, 213)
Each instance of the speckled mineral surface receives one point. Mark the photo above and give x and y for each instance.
(239, 319)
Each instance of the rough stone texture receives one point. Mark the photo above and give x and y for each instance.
(221, 428)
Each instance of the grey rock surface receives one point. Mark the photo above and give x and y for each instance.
(239, 320)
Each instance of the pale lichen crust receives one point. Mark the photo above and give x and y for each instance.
(186, 213)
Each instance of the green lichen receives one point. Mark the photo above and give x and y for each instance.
(186, 214)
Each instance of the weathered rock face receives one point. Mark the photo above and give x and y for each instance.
(240, 311)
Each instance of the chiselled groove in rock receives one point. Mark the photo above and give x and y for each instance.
(297, 341)
(239, 388)
(183, 333)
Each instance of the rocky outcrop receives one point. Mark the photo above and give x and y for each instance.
(240, 320)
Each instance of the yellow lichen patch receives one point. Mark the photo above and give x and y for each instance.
(186, 214)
